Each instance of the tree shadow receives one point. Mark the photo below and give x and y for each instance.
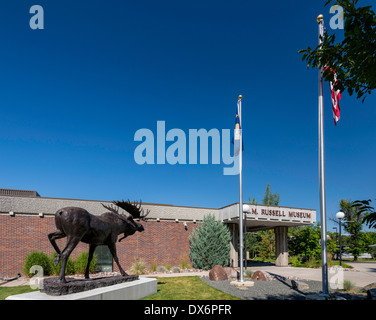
(251, 263)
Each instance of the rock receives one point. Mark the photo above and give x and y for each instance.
(371, 294)
(258, 275)
(369, 286)
(232, 273)
(218, 273)
(299, 285)
(242, 285)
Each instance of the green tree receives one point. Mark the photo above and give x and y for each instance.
(367, 211)
(210, 244)
(354, 58)
(305, 242)
(369, 238)
(266, 248)
(253, 241)
(253, 200)
(261, 244)
(270, 199)
(353, 225)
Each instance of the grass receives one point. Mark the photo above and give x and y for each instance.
(9, 291)
(314, 263)
(187, 288)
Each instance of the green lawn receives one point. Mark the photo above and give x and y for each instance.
(9, 291)
(174, 288)
(187, 288)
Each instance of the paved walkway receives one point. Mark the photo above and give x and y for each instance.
(363, 273)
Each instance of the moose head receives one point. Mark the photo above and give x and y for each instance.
(134, 211)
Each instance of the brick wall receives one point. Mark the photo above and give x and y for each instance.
(164, 242)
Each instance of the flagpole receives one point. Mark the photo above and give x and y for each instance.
(320, 20)
(241, 191)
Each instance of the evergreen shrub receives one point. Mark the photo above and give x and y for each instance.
(55, 270)
(210, 244)
(81, 261)
(37, 258)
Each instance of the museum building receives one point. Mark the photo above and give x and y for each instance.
(26, 218)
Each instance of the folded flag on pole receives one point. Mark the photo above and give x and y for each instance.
(336, 97)
(336, 94)
(238, 133)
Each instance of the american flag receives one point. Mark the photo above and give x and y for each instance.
(237, 131)
(336, 97)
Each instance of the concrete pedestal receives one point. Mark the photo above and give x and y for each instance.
(125, 291)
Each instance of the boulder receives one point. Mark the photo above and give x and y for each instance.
(299, 285)
(259, 275)
(232, 273)
(218, 273)
(369, 286)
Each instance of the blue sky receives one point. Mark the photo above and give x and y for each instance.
(73, 95)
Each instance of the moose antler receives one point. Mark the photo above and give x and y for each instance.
(134, 209)
(111, 208)
(114, 210)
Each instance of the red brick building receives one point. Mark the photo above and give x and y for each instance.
(27, 218)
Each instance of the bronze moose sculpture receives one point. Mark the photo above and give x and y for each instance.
(79, 225)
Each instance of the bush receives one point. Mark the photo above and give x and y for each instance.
(348, 285)
(81, 261)
(210, 244)
(138, 267)
(175, 270)
(248, 273)
(296, 261)
(184, 264)
(161, 269)
(37, 258)
(55, 270)
(313, 262)
(153, 266)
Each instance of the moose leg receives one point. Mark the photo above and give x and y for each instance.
(52, 237)
(71, 244)
(112, 248)
(91, 253)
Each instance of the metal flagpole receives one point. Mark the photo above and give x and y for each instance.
(245, 240)
(241, 190)
(320, 20)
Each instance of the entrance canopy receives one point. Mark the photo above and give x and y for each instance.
(263, 217)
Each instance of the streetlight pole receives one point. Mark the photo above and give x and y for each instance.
(246, 209)
(340, 242)
(340, 215)
(336, 240)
